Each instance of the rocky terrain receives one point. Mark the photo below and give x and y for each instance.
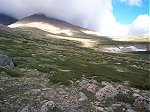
(47, 72)
(33, 93)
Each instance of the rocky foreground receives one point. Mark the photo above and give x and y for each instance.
(34, 93)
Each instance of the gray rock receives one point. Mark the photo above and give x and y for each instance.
(83, 97)
(109, 109)
(106, 92)
(92, 81)
(136, 95)
(135, 90)
(46, 107)
(120, 88)
(72, 110)
(104, 83)
(84, 83)
(92, 88)
(99, 109)
(141, 102)
(127, 106)
(116, 105)
(130, 110)
(5, 61)
(25, 109)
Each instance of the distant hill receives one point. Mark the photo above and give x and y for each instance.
(55, 26)
(7, 20)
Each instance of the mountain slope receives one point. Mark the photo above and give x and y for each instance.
(55, 26)
(7, 20)
(62, 28)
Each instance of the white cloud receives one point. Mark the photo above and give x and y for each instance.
(133, 2)
(85, 13)
(140, 26)
(93, 14)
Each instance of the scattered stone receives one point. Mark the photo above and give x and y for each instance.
(119, 88)
(83, 97)
(35, 91)
(46, 89)
(25, 109)
(135, 90)
(72, 110)
(138, 103)
(126, 83)
(141, 102)
(5, 61)
(136, 95)
(97, 103)
(64, 70)
(46, 107)
(28, 109)
(130, 110)
(70, 98)
(127, 106)
(147, 103)
(84, 83)
(99, 109)
(77, 82)
(116, 105)
(92, 88)
(107, 91)
(109, 109)
(93, 81)
(104, 83)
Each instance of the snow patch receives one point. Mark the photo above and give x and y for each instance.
(112, 49)
(135, 49)
(122, 49)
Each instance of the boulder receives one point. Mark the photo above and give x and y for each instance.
(141, 102)
(135, 95)
(84, 83)
(92, 81)
(47, 106)
(106, 92)
(120, 88)
(92, 88)
(5, 61)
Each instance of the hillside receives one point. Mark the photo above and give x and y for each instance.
(55, 26)
(7, 20)
(57, 74)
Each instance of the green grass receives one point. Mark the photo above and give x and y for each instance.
(118, 109)
(89, 94)
(13, 72)
(52, 55)
(143, 86)
(125, 98)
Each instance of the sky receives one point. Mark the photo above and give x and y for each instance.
(125, 12)
(109, 17)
